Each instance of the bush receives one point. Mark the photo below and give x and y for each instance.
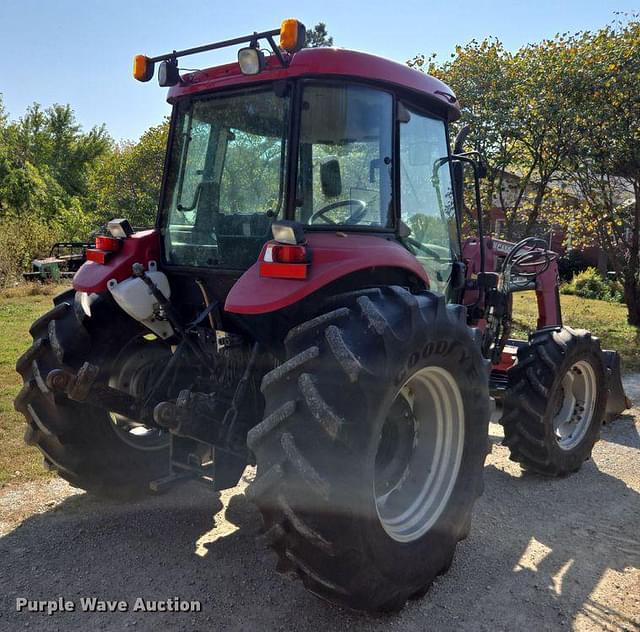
(21, 241)
(571, 264)
(589, 284)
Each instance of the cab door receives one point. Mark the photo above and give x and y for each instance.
(427, 207)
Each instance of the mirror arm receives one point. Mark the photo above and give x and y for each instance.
(482, 168)
(284, 62)
(461, 137)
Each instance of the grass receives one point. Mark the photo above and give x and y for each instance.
(606, 320)
(21, 305)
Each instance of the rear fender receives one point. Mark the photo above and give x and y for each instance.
(140, 247)
(333, 256)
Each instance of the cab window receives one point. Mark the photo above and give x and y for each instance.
(344, 167)
(225, 183)
(426, 195)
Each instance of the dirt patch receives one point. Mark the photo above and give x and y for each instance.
(542, 554)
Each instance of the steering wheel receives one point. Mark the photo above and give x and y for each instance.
(354, 218)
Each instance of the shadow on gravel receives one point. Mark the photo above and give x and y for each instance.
(559, 538)
(625, 432)
(157, 548)
(537, 550)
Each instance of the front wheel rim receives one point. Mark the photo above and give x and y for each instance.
(575, 405)
(419, 455)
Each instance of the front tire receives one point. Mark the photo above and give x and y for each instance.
(555, 401)
(88, 446)
(373, 395)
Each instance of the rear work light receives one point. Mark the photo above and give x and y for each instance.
(287, 232)
(120, 228)
(251, 60)
(285, 261)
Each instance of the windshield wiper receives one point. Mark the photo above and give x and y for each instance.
(183, 162)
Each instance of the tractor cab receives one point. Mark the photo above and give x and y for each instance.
(336, 141)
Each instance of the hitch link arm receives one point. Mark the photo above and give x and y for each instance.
(82, 387)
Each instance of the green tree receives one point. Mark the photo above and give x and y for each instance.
(126, 182)
(510, 101)
(544, 130)
(604, 164)
(561, 114)
(52, 139)
(3, 114)
(318, 36)
(27, 190)
(45, 164)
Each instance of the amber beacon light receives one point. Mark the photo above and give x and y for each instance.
(292, 35)
(142, 68)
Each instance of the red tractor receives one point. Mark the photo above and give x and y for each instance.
(306, 304)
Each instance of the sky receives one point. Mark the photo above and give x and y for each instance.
(80, 51)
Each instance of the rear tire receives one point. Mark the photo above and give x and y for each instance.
(338, 508)
(555, 401)
(82, 443)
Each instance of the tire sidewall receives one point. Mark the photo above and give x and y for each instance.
(451, 349)
(80, 440)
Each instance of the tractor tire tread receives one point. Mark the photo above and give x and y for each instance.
(61, 429)
(298, 448)
(529, 401)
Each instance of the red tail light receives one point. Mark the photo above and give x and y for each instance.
(110, 244)
(105, 247)
(289, 254)
(285, 261)
(98, 256)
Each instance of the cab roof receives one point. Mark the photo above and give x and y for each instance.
(324, 62)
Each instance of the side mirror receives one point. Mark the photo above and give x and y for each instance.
(330, 177)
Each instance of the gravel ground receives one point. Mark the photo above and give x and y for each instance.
(542, 555)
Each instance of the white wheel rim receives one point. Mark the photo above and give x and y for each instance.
(575, 406)
(126, 377)
(413, 487)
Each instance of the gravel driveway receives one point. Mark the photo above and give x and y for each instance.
(542, 554)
